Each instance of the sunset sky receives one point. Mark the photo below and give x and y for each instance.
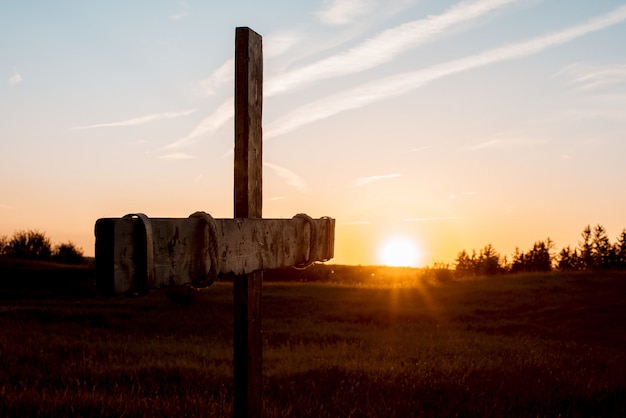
(446, 124)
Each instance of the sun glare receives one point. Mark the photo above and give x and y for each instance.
(399, 252)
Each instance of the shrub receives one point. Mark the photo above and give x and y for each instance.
(4, 241)
(29, 244)
(68, 253)
(439, 272)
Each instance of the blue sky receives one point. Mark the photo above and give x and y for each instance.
(452, 124)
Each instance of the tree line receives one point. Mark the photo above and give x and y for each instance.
(35, 245)
(594, 252)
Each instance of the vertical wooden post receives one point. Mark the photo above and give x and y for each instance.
(248, 204)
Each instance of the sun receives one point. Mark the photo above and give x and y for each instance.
(399, 252)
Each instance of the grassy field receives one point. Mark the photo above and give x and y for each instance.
(516, 346)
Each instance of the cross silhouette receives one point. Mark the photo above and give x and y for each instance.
(136, 253)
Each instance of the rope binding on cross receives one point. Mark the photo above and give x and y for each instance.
(210, 274)
(312, 242)
(149, 248)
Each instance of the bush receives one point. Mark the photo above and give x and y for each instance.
(30, 244)
(439, 272)
(4, 241)
(68, 253)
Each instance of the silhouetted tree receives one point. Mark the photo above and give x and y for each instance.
(464, 264)
(68, 253)
(586, 249)
(486, 263)
(568, 259)
(601, 248)
(519, 261)
(539, 257)
(4, 241)
(594, 251)
(29, 244)
(489, 261)
(619, 251)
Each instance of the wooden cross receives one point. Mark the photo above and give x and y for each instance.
(135, 253)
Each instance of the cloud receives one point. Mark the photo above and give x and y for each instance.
(492, 143)
(208, 125)
(587, 77)
(384, 47)
(356, 223)
(367, 180)
(289, 176)
(184, 11)
(177, 156)
(341, 12)
(140, 120)
(369, 54)
(223, 75)
(375, 91)
(278, 43)
(273, 45)
(15, 79)
(507, 142)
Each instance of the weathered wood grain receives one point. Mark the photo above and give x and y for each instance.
(248, 173)
(137, 253)
(181, 249)
(247, 288)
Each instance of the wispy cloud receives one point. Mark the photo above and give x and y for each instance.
(276, 44)
(140, 120)
(208, 125)
(356, 223)
(384, 47)
(587, 77)
(340, 12)
(369, 54)
(367, 180)
(492, 143)
(510, 141)
(184, 11)
(15, 79)
(5, 206)
(177, 156)
(372, 92)
(273, 45)
(289, 176)
(223, 75)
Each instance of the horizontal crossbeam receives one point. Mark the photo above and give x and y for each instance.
(135, 254)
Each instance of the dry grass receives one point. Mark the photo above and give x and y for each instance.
(533, 345)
